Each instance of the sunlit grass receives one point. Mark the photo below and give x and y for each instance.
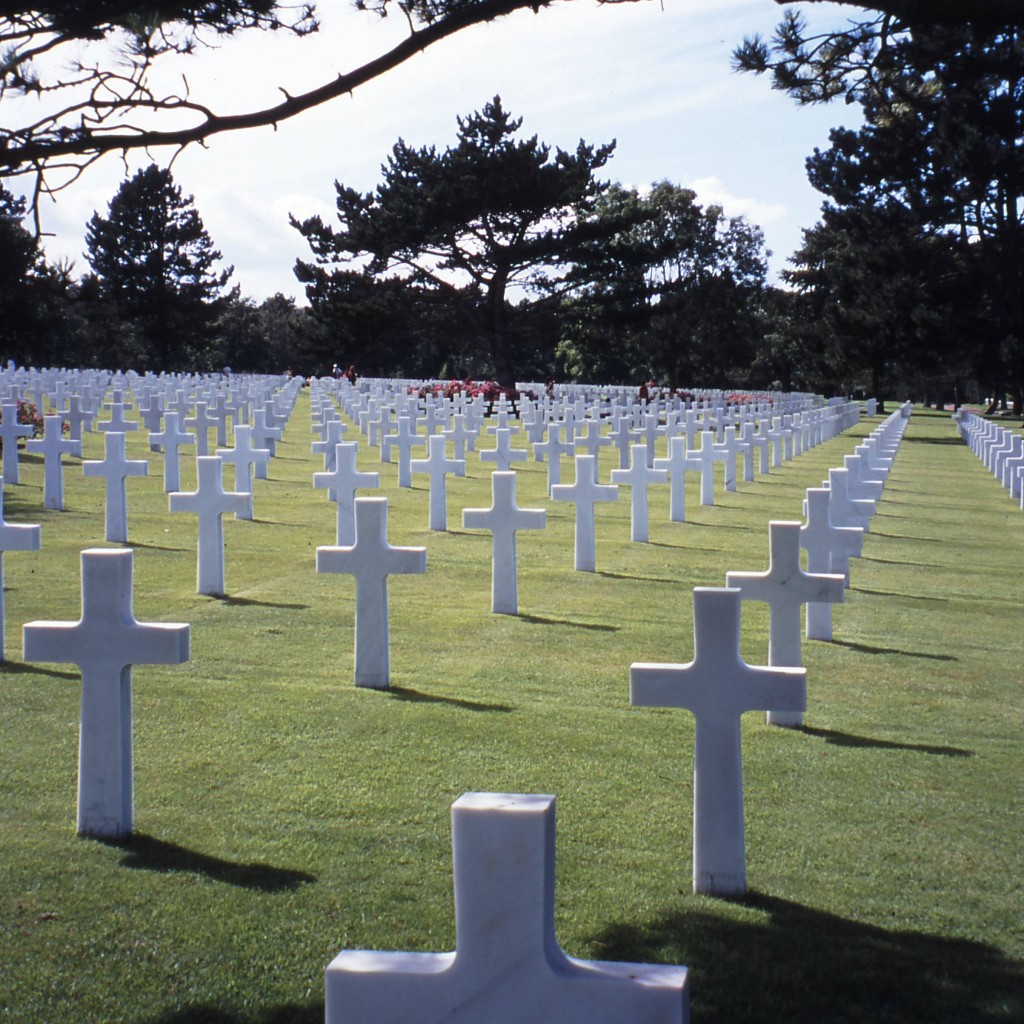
(283, 815)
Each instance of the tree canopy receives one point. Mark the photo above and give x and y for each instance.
(490, 213)
(155, 261)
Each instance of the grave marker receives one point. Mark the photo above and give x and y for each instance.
(10, 431)
(341, 486)
(437, 465)
(503, 519)
(115, 468)
(507, 967)
(13, 537)
(638, 477)
(210, 502)
(785, 587)
(718, 687)
(371, 559)
(52, 446)
(585, 493)
(105, 643)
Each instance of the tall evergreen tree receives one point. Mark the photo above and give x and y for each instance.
(490, 213)
(156, 264)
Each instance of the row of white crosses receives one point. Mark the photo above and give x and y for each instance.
(504, 845)
(718, 687)
(1000, 449)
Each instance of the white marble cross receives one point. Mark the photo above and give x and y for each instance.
(403, 439)
(507, 967)
(708, 454)
(844, 510)
(829, 549)
(105, 643)
(210, 501)
(677, 464)
(115, 468)
(437, 465)
(718, 687)
(264, 435)
(52, 446)
(553, 448)
(462, 437)
(503, 454)
(117, 423)
(13, 537)
(243, 457)
(201, 423)
(371, 559)
(731, 446)
(785, 587)
(638, 477)
(171, 438)
(503, 519)
(585, 492)
(341, 485)
(10, 431)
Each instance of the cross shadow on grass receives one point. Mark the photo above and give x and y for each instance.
(844, 739)
(628, 576)
(868, 649)
(418, 697)
(148, 853)
(806, 966)
(543, 620)
(292, 1013)
(21, 668)
(245, 601)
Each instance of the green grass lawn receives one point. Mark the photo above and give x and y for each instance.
(282, 815)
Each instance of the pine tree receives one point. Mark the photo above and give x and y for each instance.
(155, 263)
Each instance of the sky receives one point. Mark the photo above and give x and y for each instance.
(654, 75)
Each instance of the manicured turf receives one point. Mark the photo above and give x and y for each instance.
(282, 815)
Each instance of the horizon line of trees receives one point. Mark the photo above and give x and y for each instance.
(503, 258)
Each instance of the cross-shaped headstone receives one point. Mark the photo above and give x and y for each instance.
(829, 549)
(10, 431)
(677, 464)
(638, 477)
(210, 501)
(333, 431)
(503, 454)
(708, 454)
(718, 687)
(115, 468)
(201, 423)
(13, 537)
(52, 445)
(341, 486)
(403, 439)
(117, 423)
(264, 435)
(172, 437)
(553, 448)
(243, 457)
(463, 437)
(105, 643)
(731, 446)
(371, 559)
(785, 587)
(503, 519)
(76, 417)
(507, 965)
(585, 492)
(437, 465)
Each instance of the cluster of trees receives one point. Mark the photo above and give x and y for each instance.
(501, 257)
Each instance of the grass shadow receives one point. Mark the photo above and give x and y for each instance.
(843, 739)
(312, 1013)
(246, 601)
(868, 649)
(805, 965)
(155, 547)
(148, 853)
(543, 620)
(22, 668)
(641, 579)
(418, 697)
(908, 597)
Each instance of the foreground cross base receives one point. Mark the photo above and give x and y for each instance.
(507, 967)
(105, 643)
